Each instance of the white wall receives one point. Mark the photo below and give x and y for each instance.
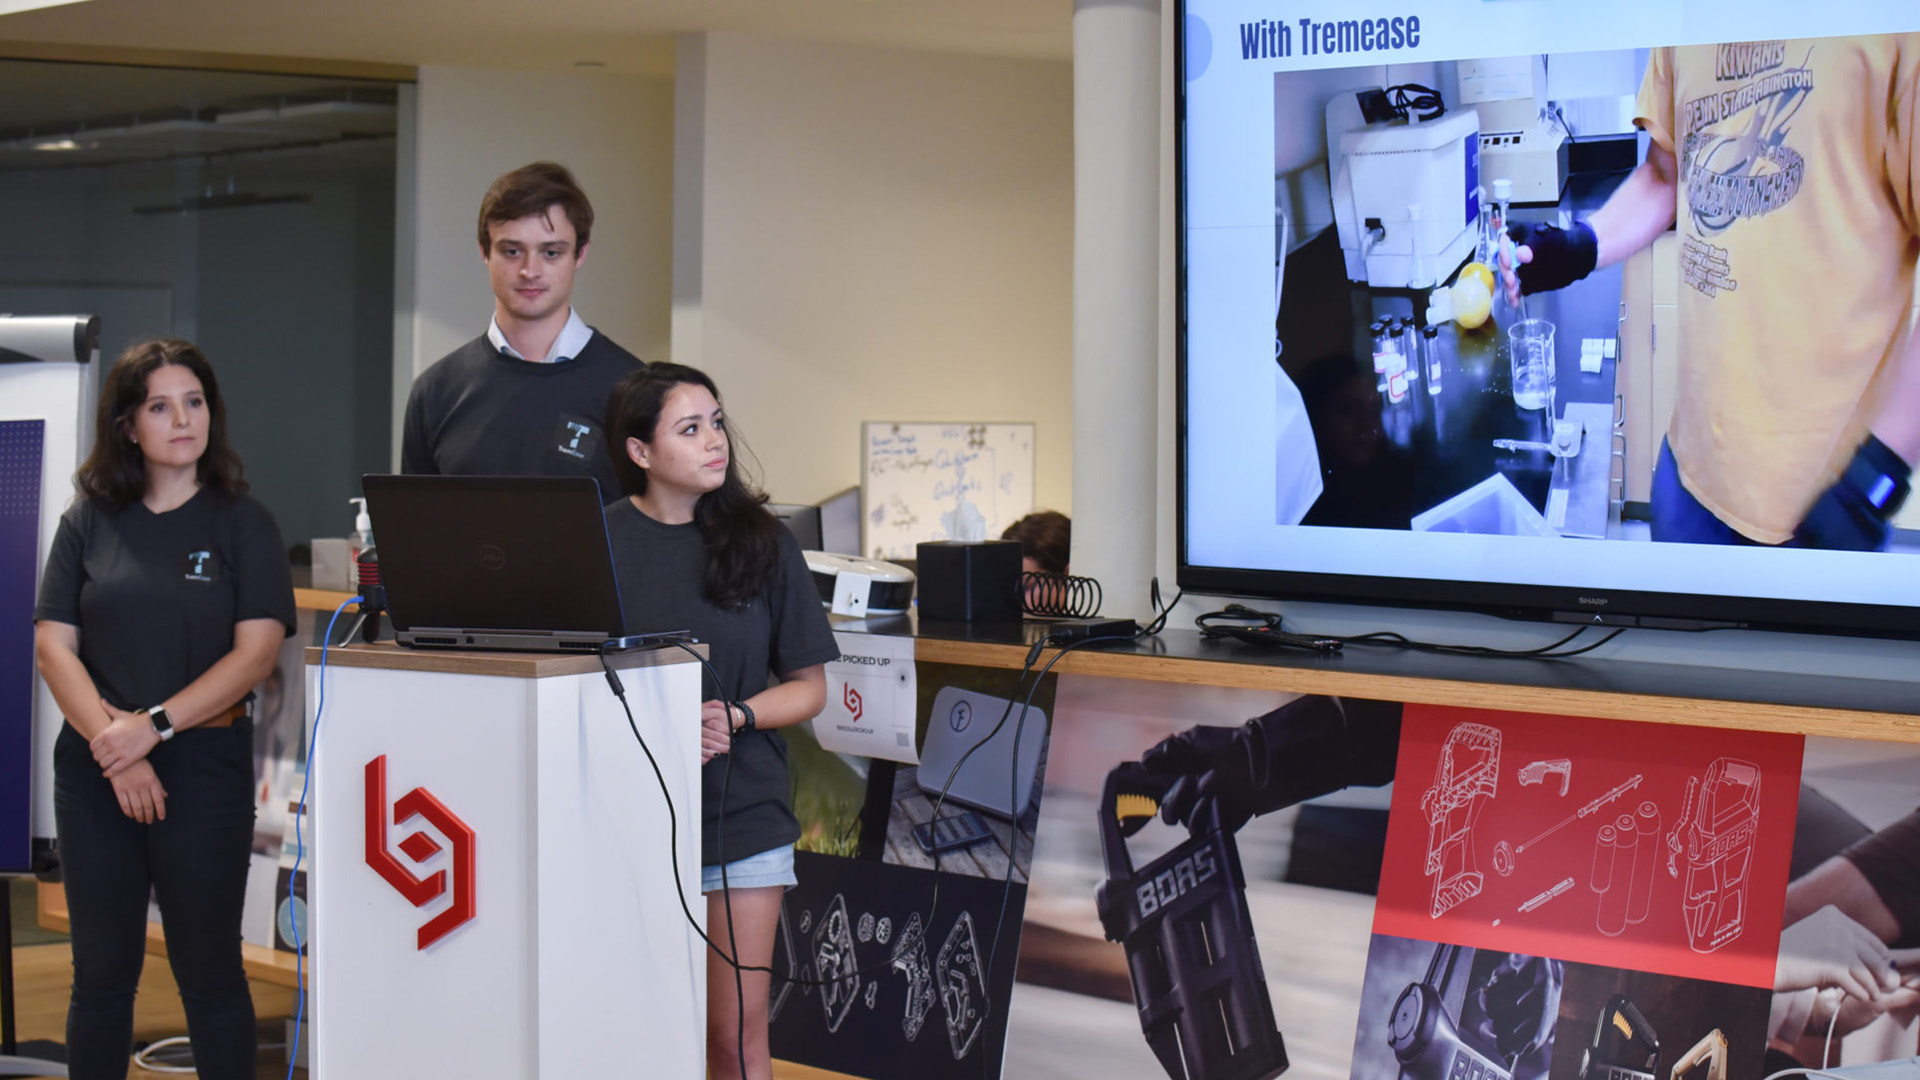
(614, 132)
(881, 234)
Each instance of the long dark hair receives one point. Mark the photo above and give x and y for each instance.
(116, 470)
(742, 537)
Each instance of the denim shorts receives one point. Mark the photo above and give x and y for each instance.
(771, 867)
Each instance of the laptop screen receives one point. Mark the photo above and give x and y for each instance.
(490, 553)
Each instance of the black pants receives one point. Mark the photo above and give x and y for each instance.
(194, 862)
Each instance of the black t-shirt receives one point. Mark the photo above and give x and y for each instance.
(661, 569)
(477, 412)
(156, 595)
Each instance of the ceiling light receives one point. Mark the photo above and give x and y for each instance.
(60, 144)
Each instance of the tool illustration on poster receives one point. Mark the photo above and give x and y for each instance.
(1718, 838)
(1466, 779)
(834, 963)
(963, 986)
(1504, 853)
(910, 959)
(1538, 771)
(955, 979)
(1623, 869)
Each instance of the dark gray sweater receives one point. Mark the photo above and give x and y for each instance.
(476, 412)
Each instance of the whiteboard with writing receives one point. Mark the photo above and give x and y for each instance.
(922, 481)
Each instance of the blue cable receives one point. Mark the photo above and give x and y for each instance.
(300, 845)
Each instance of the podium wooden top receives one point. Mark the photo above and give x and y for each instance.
(519, 665)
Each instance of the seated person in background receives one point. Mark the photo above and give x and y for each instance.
(1045, 541)
(1045, 538)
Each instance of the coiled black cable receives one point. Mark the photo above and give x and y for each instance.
(1059, 595)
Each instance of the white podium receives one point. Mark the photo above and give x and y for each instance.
(491, 888)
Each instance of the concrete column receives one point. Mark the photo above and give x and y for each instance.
(1116, 316)
(689, 198)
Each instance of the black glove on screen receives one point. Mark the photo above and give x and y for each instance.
(1852, 515)
(1304, 749)
(1560, 256)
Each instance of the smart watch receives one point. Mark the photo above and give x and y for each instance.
(1881, 477)
(162, 723)
(746, 719)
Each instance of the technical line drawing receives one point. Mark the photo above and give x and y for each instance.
(1646, 825)
(865, 930)
(1466, 778)
(1540, 900)
(1505, 854)
(1613, 851)
(910, 959)
(883, 931)
(783, 946)
(1538, 771)
(834, 960)
(1720, 838)
(873, 993)
(1675, 845)
(963, 986)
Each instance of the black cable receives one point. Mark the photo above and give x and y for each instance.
(1425, 99)
(1013, 786)
(1248, 624)
(732, 959)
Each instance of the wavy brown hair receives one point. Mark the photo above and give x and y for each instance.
(741, 535)
(536, 189)
(116, 470)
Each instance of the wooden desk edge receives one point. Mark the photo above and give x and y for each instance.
(525, 665)
(1604, 704)
(263, 964)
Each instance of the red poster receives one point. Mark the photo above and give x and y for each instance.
(1653, 847)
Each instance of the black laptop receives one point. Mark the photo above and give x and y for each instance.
(499, 562)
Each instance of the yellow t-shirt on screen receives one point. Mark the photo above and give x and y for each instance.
(1799, 233)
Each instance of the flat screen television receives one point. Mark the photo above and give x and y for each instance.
(1339, 177)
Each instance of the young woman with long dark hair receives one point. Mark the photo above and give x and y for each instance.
(696, 549)
(166, 598)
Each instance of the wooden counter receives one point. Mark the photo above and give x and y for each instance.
(1612, 689)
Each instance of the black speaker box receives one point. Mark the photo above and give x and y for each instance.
(969, 581)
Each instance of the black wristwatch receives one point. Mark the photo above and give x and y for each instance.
(746, 721)
(162, 723)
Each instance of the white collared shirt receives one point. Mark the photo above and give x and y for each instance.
(573, 337)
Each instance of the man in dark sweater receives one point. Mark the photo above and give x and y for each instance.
(529, 396)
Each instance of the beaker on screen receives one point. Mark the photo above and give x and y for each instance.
(1531, 341)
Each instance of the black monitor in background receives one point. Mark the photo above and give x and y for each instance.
(802, 521)
(840, 523)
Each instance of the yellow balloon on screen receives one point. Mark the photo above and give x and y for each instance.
(1472, 302)
(1478, 270)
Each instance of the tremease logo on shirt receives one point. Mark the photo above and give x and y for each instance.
(575, 437)
(198, 566)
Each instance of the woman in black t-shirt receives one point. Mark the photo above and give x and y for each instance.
(166, 598)
(696, 549)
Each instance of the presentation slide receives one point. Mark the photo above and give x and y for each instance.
(1468, 282)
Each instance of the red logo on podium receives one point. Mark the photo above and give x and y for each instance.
(420, 847)
(854, 704)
